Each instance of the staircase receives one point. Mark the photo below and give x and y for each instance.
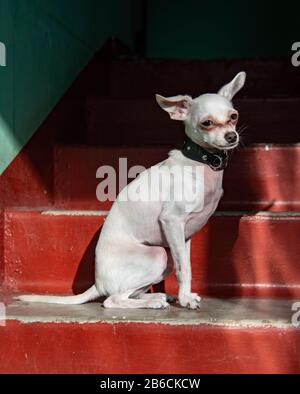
(245, 261)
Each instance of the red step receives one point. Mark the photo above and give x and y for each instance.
(225, 336)
(1, 248)
(139, 122)
(143, 78)
(234, 254)
(260, 177)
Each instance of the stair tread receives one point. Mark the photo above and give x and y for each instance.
(94, 212)
(253, 146)
(231, 312)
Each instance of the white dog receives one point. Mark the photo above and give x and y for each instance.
(131, 253)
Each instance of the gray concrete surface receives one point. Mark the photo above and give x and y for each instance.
(234, 312)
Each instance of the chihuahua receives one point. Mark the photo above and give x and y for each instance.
(143, 240)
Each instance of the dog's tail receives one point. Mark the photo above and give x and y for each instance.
(89, 295)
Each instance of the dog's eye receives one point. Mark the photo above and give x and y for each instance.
(234, 116)
(207, 123)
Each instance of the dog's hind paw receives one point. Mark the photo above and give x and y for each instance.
(158, 304)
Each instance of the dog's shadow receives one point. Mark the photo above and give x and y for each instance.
(85, 275)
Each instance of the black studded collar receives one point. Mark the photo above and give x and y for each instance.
(217, 161)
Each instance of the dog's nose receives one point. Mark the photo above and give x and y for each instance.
(230, 136)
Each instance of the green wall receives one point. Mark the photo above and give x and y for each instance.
(48, 42)
(217, 29)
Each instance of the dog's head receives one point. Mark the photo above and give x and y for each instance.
(210, 119)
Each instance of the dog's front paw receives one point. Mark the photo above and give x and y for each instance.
(190, 301)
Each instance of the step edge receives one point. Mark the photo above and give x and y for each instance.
(148, 100)
(268, 146)
(119, 317)
(275, 215)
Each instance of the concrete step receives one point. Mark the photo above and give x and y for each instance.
(224, 336)
(236, 254)
(139, 122)
(257, 178)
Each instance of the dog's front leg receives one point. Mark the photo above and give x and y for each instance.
(173, 228)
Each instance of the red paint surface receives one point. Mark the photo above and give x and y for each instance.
(50, 253)
(76, 167)
(139, 121)
(55, 254)
(28, 181)
(1, 246)
(255, 178)
(146, 348)
(140, 78)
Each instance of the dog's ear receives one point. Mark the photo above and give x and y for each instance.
(178, 107)
(230, 89)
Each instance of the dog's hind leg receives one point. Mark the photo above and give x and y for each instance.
(158, 296)
(150, 266)
(153, 296)
(123, 301)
